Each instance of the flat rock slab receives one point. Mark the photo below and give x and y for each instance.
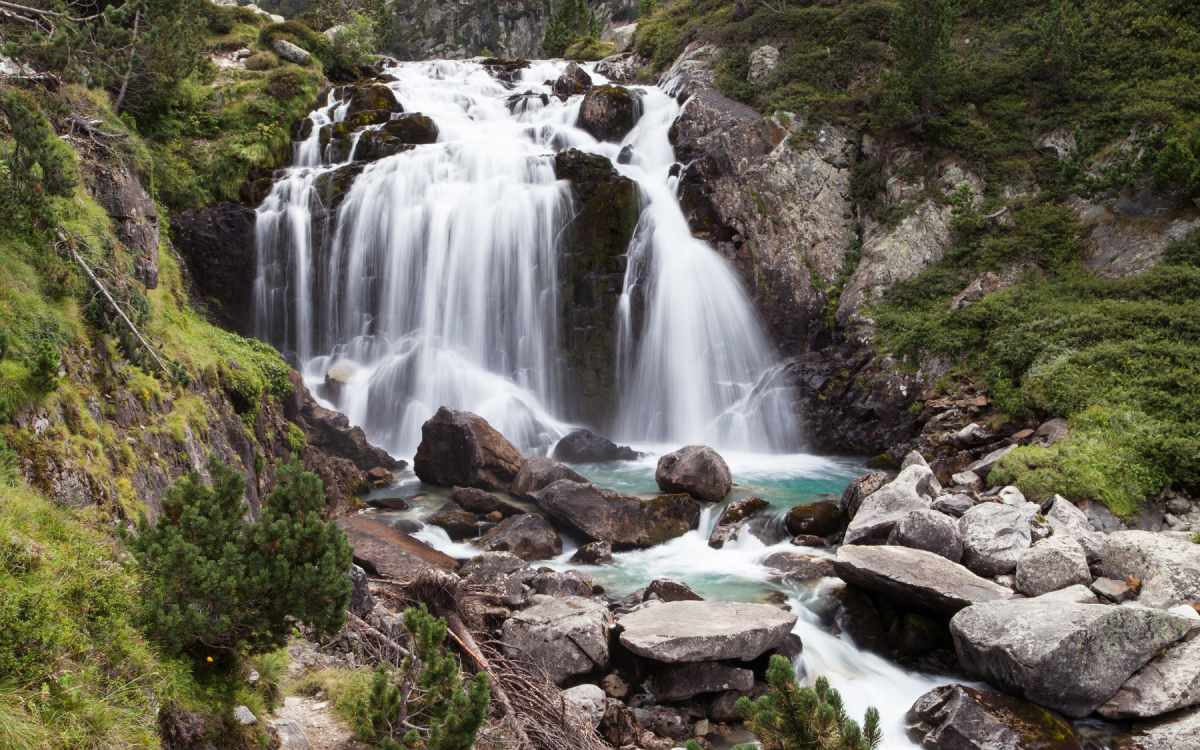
(915, 577)
(565, 637)
(1169, 683)
(1068, 657)
(388, 552)
(689, 631)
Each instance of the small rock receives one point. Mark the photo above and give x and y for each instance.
(968, 480)
(953, 505)
(244, 716)
(574, 80)
(819, 519)
(615, 686)
(595, 553)
(1052, 564)
(1051, 431)
(1114, 590)
(589, 701)
(1011, 496)
(583, 446)
(290, 52)
(458, 523)
(670, 591)
(972, 435)
(798, 567)
(763, 61)
(984, 465)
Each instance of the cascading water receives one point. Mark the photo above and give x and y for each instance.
(434, 282)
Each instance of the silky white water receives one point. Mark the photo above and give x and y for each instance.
(435, 281)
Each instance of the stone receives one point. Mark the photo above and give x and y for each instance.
(529, 536)
(953, 505)
(459, 448)
(615, 686)
(1010, 495)
(478, 501)
(968, 480)
(540, 472)
(564, 637)
(626, 522)
(583, 446)
(913, 458)
(994, 537)
(361, 601)
(1051, 431)
(120, 192)
(859, 489)
(763, 61)
(663, 721)
(958, 717)
(1169, 683)
(1067, 520)
(732, 518)
(1175, 732)
(697, 470)
(593, 553)
(688, 631)
(619, 68)
(1113, 590)
(589, 702)
(1052, 564)
(379, 477)
(795, 567)
(1068, 657)
(1168, 567)
(972, 435)
(210, 239)
(983, 466)
(1077, 594)
(913, 489)
(666, 590)
(930, 530)
(679, 682)
(574, 80)
(384, 551)
(290, 52)
(560, 583)
(915, 578)
(609, 112)
(290, 734)
(244, 716)
(458, 523)
(823, 518)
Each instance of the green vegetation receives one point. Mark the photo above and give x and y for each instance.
(571, 25)
(790, 717)
(217, 587)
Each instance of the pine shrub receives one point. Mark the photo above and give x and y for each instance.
(790, 717)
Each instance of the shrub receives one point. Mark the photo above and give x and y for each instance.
(569, 22)
(218, 586)
(426, 703)
(353, 46)
(790, 717)
(262, 61)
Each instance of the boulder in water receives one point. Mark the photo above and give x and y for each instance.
(368, 97)
(798, 567)
(689, 631)
(540, 472)
(583, 446)
(957, 717)
(565, 637)
(732, 518)
(574, 80)
(609, 112)
(822, 518)
(1068, 657)
(459, 448)
(505, 70)
(697, 470)
(458, 523)
(529, 536)
(666, 590)
(479, 502)
(627, 522)
(593, 553)
(915, 578)
(859, 489)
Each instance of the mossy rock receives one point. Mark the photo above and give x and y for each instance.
(368, 97)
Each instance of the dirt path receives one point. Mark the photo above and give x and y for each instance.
(309, 724)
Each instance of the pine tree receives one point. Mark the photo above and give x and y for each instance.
(921, 36)
(568, 22)
(217, 585)
(790, 717)
(426, 703)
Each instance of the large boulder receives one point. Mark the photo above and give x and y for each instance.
(609, 112)
(1066, 519)
(398, 134)
(929, 530)
(214, 242)
(482, 503)
(564, 637)
(583, 446)
(915, 578)
(697, 470)
(574, 80)
(1167, 566)
(371, 96)
(625, 521)
(529, 536)
(1175, 732)
(679, 682)
(538, 473)
(958, 717)
(1169, 683)
(1052, 564)
(859, 489)
(822, 518)
(1068, 657)
(459, 448)
(795, 567)
(458, 523)
(691, 631)
(913, 489)
(994, 537)
(384, 551)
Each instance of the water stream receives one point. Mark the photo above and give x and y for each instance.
(434, 282)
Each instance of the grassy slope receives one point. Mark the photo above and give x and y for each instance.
(1117, 357)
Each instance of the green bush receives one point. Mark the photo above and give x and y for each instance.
(790, 717)
(353, 47)
(262, 61)
(570, 21)
(218, 586)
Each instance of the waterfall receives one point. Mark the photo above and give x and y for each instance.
(434, 279)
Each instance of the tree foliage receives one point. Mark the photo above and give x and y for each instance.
(426, 704)
(38, 164)
(218, 585)
(569, 21)
(790, 717)
(921, 37)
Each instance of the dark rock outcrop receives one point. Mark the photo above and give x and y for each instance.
(574, 80)
(529, 536)
(217, 242)
(822, 518)
(697, 470)
(540, 472)
(957, 717)
(459, 448)
(583, 446)
(625, 521)
(119, 191)
(609, 112)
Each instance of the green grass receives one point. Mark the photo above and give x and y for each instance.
(349, 690)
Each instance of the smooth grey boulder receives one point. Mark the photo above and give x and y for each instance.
(797, 566)
(954, 505)
(1077, 594)
(1169, 683)
(929, 530)
(589, 702)
(678, 682)
(878, 513)
(1066, 519)
(529, 536)
(1052, 564)
(697, 470)
(994, 537)
(690, 631)
(913, 458)
(623, 520)
(915, 578)
(967, 480)
(565, 637)
(290, 52)
(1175, 732)
(1168, 567)
(538, 473)
(1068, 657)
(958, 717)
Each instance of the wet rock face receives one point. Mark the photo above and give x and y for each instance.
(459, 448)
(627, 522)
(957, 717)
(585, 447)
(591, 277)
(120, 192)
(574, 80)
(540, 472)
(697, 470)
(397, 135)
(819, 519)
(609, 112)
(218, 244)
